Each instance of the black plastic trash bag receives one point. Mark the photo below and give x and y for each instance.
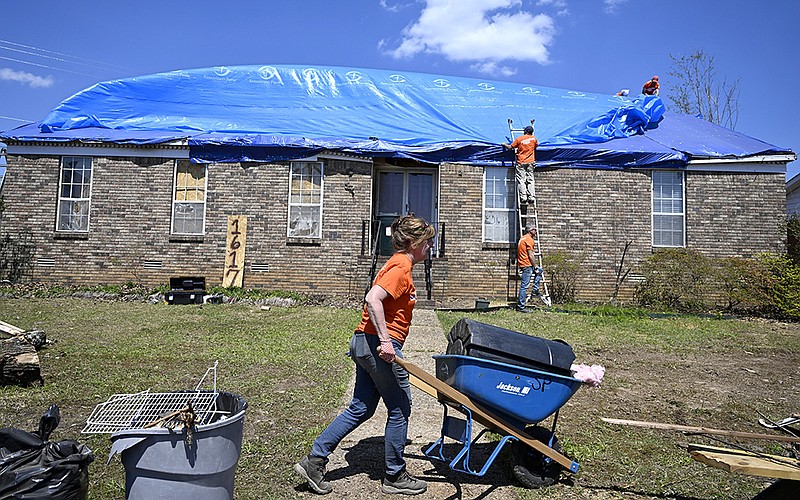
(32, 468)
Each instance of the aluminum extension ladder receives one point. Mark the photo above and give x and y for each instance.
(530, 214)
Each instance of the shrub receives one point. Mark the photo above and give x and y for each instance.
(784, 288)
(685, 280)
(561, 270)
(16, 256)
(743, 283)
(676, 279)
(793, 238)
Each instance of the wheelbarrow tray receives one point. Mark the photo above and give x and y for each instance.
(521, 395)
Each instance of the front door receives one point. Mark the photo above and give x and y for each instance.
(400, 192)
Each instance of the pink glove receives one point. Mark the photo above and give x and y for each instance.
(387, 351)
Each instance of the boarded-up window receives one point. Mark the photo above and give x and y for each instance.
(305, 200)
(668, 209)
(189, 202)
(74, 194)
(499, 222)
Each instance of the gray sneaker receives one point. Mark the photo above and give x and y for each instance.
(312, 469)
(405, 484)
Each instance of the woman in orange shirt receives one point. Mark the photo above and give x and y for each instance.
(385, 322)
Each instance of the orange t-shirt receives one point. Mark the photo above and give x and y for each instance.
(650, 87)
(526, 148)
(525, 243)
(395, 278)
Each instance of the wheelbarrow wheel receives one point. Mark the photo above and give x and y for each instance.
(529, 465)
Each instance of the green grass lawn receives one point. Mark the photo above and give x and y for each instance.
(289, 364)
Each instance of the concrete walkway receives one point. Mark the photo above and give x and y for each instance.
(356, 467)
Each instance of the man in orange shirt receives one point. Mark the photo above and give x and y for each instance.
(526, 145)
(526, 257)
(651, 87)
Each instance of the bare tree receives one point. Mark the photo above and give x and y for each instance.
(699, 92)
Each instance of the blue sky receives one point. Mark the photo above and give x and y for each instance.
(50, 50)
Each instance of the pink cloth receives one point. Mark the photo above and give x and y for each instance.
(591, 375)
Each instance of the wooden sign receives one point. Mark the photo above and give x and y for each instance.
(234, 251)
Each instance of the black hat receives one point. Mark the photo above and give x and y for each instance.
(528, 130)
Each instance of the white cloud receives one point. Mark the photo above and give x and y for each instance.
(25, 78)
(394, 6)
(611, 5)
(493, 68)
(559, 5)
(486, 31)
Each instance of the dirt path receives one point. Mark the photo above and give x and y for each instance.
(356, 467)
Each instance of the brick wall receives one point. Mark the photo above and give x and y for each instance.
(593, 213)
(472, 268)
(131, 214)
(735, 215)
(589, 213)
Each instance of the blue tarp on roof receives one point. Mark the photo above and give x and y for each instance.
(262, 113)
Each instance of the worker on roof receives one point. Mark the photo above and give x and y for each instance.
(651, 87)
(526, 145)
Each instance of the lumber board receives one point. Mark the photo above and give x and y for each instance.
(427, 389)
(10, 329)
(745, 462)
(430, 384)
(702, 430)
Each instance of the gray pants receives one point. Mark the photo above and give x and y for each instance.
(524, 174)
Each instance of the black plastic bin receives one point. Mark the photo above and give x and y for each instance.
(186, 290)
(480, 340)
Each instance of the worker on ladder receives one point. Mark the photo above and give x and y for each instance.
(526, 145)
(526, 259)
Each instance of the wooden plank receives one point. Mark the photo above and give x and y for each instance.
(479, 413)
(702, 430)
(745, 462)
(10, 329)
(427, 389)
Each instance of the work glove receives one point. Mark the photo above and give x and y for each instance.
(387, 351)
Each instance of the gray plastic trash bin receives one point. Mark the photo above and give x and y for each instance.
(160, 464)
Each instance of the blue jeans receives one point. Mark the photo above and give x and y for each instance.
(375, 379)
(527, 272)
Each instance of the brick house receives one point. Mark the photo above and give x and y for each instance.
(793, 195)
(107, 198)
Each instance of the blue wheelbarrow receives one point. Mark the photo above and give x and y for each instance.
(506, 399)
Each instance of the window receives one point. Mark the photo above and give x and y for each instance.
(305, 200)
(668, 212)
(499, 221)
(74, 194)
(189, 202)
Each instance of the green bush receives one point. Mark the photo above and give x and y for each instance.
(793, 238)
(676, 279)
(688, 281)
(784, 288)
(743, 284)
(562, 271)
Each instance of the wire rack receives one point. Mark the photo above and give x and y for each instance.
(143, 409)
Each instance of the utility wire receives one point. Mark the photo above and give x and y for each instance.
(49, 67)
(14, 119)
(51, 54)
